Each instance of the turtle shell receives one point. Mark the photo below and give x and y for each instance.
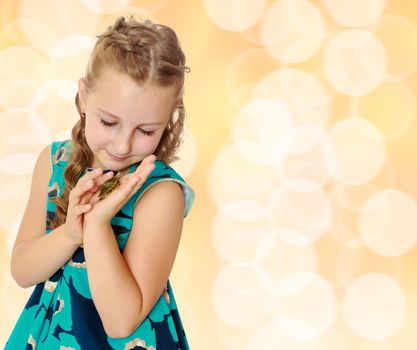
(108, 187)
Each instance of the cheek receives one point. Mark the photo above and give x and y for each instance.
(94, 134)
(146, 144)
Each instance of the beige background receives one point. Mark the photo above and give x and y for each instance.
(301, 148)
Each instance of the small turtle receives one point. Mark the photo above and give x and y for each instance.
(109, 185)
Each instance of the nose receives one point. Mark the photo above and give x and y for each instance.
(122, 146)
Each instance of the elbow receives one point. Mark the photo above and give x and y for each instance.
(124, 331)
(21, 283)
(117, 332)
(14, 274)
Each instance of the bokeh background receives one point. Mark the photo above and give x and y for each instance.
(300, 144)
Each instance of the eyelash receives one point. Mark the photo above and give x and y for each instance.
(149, 133)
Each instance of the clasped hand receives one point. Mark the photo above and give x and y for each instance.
(85, 206)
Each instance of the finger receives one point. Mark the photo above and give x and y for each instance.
(87, 197)
(89, 183)
(124, 191)
(136, 182)
(145, 171)
(129, 184)
(145, 163)
(140, 177)
(99, 181)
(91, 174)
(77, 192)
(81, 209)
(149, 159)
(95, 198)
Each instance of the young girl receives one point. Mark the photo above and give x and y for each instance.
(104, 218)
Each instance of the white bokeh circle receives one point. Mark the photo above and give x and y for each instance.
(105, 6)
(299, 216)
(388, 222)
(304, 94)
(355, 13)
(14, 64)
(235, 15)
(355, 62)
(265, 121)
(293, 30)
(374, 306)
(238, 297)
(306, 305)
(357, 153)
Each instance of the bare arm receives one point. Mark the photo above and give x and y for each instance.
(37, 256)
(34, 261)
(125, 287)
(115, 293)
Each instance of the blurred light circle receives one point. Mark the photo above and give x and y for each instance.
(249, 66)
(303, 163)
(14, 64)
(105, 6)
(301, 217)
(239, 242)
(235, 15)
(344, 235)
(70, 45)
(388, 222)
(293, 30)
(306, 305)
(44, 29)
(352, 197)
(238, 297)
(17, 163)
(269, 335)
(355, 62)
(17, 94)
(284, 259)
(188, 153)
(244, 210)
(355, 13)
(303, 93)
(17, 132)
(307, 209)
(357, 153)
(374, 306)
(265, 121)
(233, 176)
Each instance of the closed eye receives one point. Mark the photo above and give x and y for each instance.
(149, 133)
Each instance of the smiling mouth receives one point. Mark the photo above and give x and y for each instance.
(116, 158)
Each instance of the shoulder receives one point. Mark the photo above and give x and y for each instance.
(163, 196)
(165, 184)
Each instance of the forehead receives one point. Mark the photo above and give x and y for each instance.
(120, 95)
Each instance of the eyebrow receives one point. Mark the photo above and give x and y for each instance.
(116, 117)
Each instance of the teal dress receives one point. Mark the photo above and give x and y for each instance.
(60, 313)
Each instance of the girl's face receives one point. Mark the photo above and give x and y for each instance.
(124, 121)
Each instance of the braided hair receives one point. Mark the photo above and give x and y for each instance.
(149, 53)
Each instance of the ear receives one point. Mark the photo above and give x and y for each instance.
(82, 92)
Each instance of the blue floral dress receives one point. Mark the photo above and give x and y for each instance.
(60, 313)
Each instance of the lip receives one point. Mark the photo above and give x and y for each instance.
(116, 158)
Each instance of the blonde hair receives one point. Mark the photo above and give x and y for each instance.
(148, 53)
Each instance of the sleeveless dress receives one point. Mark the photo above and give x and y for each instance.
(60, 313)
